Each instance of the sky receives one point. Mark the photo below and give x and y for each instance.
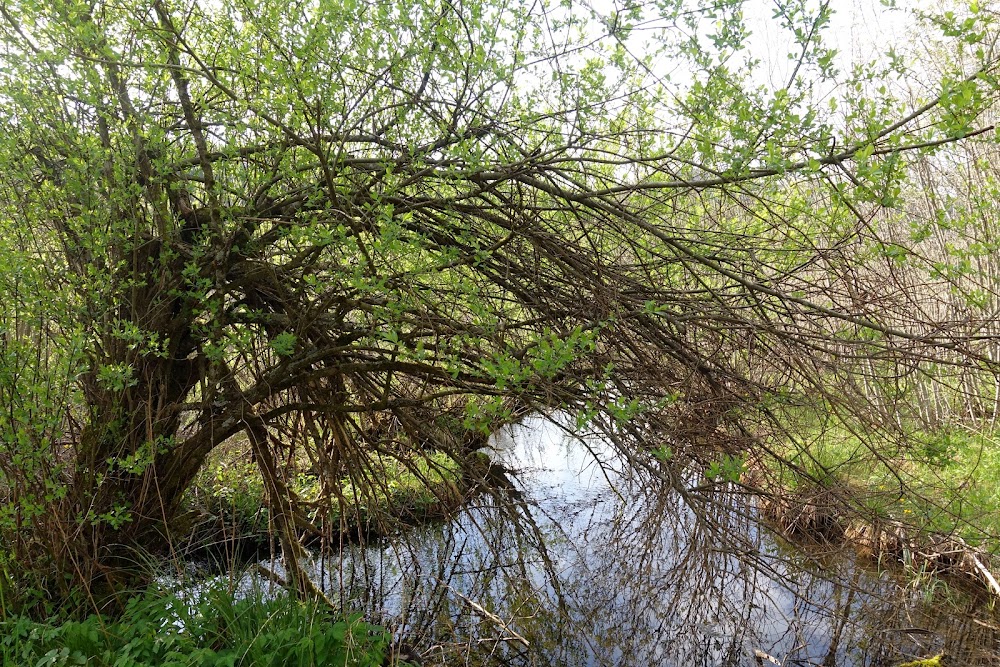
(860, 30)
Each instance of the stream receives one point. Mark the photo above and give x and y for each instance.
(580, 564)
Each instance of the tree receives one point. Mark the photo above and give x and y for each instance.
(337, 226)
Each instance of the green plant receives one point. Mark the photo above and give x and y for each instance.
(206, 626)
(323, 228)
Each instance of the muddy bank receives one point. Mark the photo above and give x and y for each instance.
(833, 515)
(225, 536)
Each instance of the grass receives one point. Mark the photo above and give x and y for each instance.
(214, 629)
(395, 488)
(944, 481)
(384, 491)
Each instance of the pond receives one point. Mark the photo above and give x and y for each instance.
(576, 561)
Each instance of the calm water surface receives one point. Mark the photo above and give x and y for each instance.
(578, 563)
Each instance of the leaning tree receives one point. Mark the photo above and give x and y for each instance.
(344, 226)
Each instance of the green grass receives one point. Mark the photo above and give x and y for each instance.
(164, 629)
(393, 488)
(383, 488)
(946, 481)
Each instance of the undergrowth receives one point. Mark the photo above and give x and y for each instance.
(210, 628)
(941, 480)
(230, 486)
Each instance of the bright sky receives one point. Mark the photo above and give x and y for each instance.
(861, 30)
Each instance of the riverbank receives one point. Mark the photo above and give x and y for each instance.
(568, 564)
(227, 519)
(207, 621)
(929, 509)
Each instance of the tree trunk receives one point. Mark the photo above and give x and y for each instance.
(133, 462)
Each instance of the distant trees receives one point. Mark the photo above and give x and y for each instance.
(338, 226)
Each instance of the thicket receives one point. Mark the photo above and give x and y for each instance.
(347, 232)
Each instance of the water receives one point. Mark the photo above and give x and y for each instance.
(575, 560)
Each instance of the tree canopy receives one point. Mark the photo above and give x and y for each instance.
(337, 226)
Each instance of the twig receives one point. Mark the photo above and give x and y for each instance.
(493, 617)
(760, 657)
(991, 581)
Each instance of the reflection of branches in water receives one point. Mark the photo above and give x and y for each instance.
(612, 565)
(842, 613)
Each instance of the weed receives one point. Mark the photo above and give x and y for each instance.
(212, 629)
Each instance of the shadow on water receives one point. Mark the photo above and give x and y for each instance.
(572, 559)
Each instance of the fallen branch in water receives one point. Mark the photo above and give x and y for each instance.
(493, 617)
(760, 657)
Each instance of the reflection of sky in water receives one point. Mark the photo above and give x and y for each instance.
(594, 572)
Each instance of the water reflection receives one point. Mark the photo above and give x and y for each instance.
(574, 560)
